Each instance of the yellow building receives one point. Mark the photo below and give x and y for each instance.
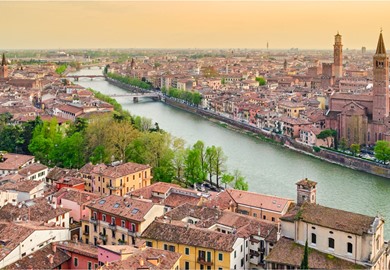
(116, 179)
(291, 109)
(200, 248)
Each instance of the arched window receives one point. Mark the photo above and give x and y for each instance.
(313, 238)
(349, 248)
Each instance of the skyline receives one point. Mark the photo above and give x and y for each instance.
(192, 24)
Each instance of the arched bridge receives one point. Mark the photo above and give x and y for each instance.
(76, 77)
(137, 96)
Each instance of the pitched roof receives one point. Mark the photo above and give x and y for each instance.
(380, 48)
(40, 259)
(32, 168)
(129, 208)
(148, 258)
(189, 235)
(287, 252)
(331, 218)
(263, 201)
(14, 161)
(75, 195)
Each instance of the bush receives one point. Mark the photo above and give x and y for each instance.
(316, 149)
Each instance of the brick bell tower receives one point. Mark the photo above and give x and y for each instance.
(4, 68)
(380, 88)
(338, 56)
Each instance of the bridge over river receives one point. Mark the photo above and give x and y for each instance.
(137, 96)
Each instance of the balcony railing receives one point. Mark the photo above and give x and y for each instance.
(131, 233)
(203, 261)
(103, 237)
(114, 187)
(93, 221)
(112, 227)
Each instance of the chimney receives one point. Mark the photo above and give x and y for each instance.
(51, 258)
(54, 247)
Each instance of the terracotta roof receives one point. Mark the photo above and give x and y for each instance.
(79, 248)
(35, 210)
(148, 258)
(133, 209)
(124, 169)
(32, 168)
(75, 195)
(57, 173)
(71, 181)
(21, 185)
(11, 235)
(189, 235)
(257, 200)
(146, 192)
(72, 109)
(289, 253)
(331, 218)
(40, 259)
(14, 161)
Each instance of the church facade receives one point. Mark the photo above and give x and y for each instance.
(363, 118)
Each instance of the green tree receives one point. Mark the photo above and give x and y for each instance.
(305, 259)
(210, 161)
(226, 179)
(179, 157)
(219, 163)
(261, 80)
(343, 144)
(193, 168)
(328, 135)
(239, 181)
(382, 151)
(355, 149)
(61, 69)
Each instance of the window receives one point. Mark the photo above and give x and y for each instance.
(104, 217)
(149, 244)
(94, 227)
(313, 238)
(349, 247)
(76, 261)
(264, 217)
(89, 265)
(220, 257)
(235, 254)
(113, 221)
(331, 243)
(187, 251)
(165, 247)
(254, 214)
(96, 266)
(172, 248)
(113, 233)
(187, 265)
(242, 262)
(241, 248)
(123, 224)
(273, 219)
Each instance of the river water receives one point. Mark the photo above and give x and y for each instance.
(269, 169)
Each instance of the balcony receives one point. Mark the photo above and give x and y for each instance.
(112, 227)
(93, 221)
(86, 233)
(131, 233)
(114, 187)
(203, 261)
(103, 236)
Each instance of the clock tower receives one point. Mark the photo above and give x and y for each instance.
(380, 88)
(4, 68)
(338, 56)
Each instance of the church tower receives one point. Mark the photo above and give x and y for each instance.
(380, 90)
(338, 56)
(4, 68)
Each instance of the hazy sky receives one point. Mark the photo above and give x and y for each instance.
(192, 24)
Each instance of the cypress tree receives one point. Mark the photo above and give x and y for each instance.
(305, 260)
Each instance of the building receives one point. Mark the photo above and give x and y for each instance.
(35, 171)
(209, 238)
(338, 56)
(23, 190)
(260, 206)
(12, 163)
(355, 240)
(117, 178)
(21, 239)
(118, 220)
(4, 68)
(364, 118)
(129, 257)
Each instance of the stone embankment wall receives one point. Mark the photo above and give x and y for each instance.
(325, 154)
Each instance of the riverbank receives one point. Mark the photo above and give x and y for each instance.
(324, 154)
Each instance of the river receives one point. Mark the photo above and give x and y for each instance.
(268, 168)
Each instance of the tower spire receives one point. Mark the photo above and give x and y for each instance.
(380, 48)
(3, 61)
